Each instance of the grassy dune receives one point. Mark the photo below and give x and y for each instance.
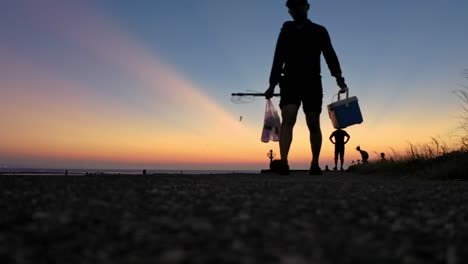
(434, 160)
(422, 162)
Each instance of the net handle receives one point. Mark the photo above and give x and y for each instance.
(252, 94)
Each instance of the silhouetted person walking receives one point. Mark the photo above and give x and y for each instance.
(296, 68)
(364, 154)
(339, 135)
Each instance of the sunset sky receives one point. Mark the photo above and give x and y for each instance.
(147, 84)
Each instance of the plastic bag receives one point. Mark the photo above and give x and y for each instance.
(271, 124)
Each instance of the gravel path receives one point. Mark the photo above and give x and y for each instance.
(334, 218)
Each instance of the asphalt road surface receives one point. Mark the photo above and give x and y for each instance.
(333, 218)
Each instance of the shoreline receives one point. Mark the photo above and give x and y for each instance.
(85, 172)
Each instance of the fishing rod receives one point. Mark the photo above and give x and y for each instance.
(252, 94)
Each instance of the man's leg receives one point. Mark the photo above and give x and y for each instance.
(313, 122)
(336, 157)
(342, 157)
(289, 116)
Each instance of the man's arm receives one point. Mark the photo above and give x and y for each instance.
(331, 138)
(347, 138)
(330, 55)
(332, 60)
(278, 62)
(278, 59)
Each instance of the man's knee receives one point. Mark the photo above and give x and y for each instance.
(313, 121)
(288, 121)
(314, 127)
(289, 115)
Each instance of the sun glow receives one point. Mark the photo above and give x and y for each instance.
(50, 116)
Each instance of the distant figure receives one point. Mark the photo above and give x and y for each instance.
(382, 157)
(326, 168)
(364, 154)
(296, 68)
(271, 155)
(339, 135)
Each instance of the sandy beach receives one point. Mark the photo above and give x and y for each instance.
(232, 218)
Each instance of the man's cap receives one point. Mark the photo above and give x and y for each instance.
(295, 3)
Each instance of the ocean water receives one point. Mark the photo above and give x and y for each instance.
(44, 171)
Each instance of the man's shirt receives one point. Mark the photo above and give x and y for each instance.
(339, 137)
(298, 51)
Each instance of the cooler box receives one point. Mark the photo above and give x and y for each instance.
(346, 112)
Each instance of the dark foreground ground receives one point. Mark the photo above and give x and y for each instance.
(334, 218)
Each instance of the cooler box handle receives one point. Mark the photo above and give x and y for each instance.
(347, 94)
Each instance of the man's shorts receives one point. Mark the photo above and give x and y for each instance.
(339, 151)
(308, 92)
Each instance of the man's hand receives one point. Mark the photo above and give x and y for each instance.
(269, 92)
(340, 81)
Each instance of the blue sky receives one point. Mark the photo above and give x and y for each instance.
(402, 59)
(385, 48)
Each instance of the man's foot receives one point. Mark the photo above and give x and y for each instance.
(275, 165)
(335, 169)
(284, 170)
(315, 170)
(342, 169)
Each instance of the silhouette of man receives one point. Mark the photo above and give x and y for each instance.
(364, 154)
(382, 157)
(296, 68)
(339, 135)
